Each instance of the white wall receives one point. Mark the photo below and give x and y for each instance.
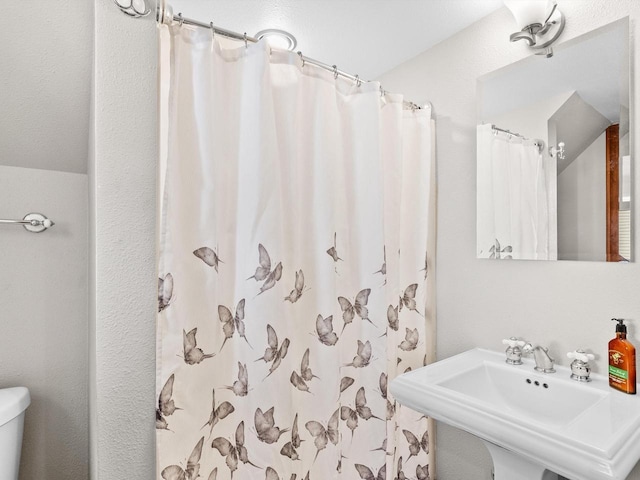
(582, 217)
(123, 280)
(562, 305)
(43, 344)
(45, 52)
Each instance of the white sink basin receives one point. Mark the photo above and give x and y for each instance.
(583, 431)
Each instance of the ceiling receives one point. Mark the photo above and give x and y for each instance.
(364, 37)
(46, 74)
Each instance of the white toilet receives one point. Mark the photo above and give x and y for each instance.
(13, 403)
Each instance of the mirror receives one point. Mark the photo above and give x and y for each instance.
(554, 164)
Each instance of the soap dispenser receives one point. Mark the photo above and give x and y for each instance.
(622, 360)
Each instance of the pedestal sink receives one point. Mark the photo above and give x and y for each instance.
(535, 425)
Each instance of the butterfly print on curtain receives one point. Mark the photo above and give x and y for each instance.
(230, 323)
(359, 307)
(165, 291)
(192, 354)
(264, 272)
(191, 472)
(166, 405)
(208, 256)
(298, 288)
(274, 338)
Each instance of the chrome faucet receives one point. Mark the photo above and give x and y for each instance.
(544, 362)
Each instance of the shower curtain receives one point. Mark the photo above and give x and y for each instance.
(294, 263)
(514, 208)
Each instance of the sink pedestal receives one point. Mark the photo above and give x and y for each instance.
(511, 466)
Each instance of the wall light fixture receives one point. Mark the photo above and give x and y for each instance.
(540, 23)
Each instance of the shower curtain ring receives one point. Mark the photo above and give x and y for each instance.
(213, 30)
(301, 58)
(335, 71)
(358, 81)
(181, 21)
(246, 45)
(382, 92)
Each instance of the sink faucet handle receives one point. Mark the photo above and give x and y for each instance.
(581, 355)
(514, 350)
(513, 342)
(580, 368)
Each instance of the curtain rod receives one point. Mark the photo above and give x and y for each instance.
(536, 142)
(164, 15)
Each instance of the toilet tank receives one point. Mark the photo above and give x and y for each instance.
(13, 403)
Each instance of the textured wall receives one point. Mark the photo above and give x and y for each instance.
(560, 304)
(45, 50)
(43, 334)
(123, 281)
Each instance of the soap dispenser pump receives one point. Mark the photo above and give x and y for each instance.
(622, 360)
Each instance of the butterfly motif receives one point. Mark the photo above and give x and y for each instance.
(289, 448)
(175, 472)
(208, 256)
(243, 454)
(349, 416)
(362, 410)
(214, 474)
(263, 272)
(324, 327)
(299, 382)
(359, 306)
(382, 383)
(192, 354)
(345, 383)
(241, 386)
(298, 288)
(226, 449)
(496, 251)
(166, 405)
(305, 371)
(409, 298)
(392, 317)
(264, 268)
(415, 445)
(225, 409)
(230, 323)
(426, 271)
(391, 409)
(410, 340)
(333, 252)
(422, 473)
(381, 448)
(272, 353)
(264, 422)
(323, 435)
(400, 474)
(362, 357)
(271, 279)
(366, 473)
(271, 474)
(383, 269)
(165, 291)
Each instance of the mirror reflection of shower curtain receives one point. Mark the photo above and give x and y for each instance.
(516, 216)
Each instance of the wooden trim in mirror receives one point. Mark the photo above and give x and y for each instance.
(613, 192)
